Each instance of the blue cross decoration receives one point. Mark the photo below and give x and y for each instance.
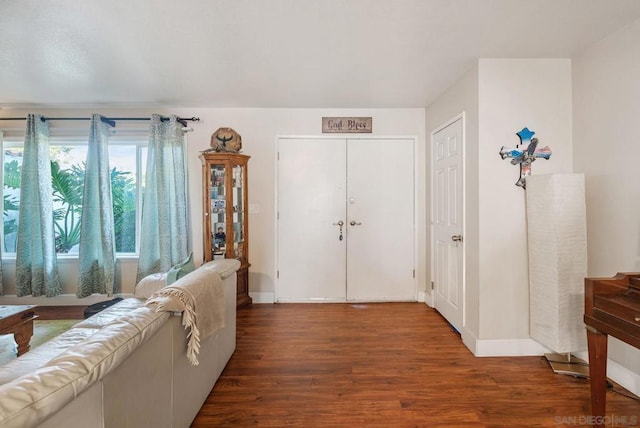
(525, 153)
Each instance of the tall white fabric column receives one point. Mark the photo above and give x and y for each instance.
(557, 242)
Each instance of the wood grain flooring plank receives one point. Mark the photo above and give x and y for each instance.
(383, 365)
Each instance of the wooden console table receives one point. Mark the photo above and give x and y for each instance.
(18, 320)
(612, 307)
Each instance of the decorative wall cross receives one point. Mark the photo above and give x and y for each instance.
(525, 153)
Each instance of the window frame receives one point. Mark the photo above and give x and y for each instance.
(141, 146)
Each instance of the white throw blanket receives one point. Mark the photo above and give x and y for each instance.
(200, 297)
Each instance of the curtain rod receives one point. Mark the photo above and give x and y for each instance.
(110, 120)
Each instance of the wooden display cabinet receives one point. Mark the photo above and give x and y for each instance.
(226, 226)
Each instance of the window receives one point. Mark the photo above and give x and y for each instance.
(127, 162)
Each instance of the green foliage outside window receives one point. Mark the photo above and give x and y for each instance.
(67, 194)
(67, 186)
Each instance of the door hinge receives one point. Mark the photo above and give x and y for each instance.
(414, 273)
(433, 285)
(278, 274)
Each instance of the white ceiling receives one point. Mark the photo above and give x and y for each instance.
(277, 53)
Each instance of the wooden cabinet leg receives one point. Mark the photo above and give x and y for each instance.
(597, 343)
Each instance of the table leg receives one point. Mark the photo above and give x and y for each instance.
(22, 335)
(597, 343)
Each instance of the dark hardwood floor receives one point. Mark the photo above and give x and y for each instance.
(385, 365)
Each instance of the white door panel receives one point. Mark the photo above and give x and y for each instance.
(447, 199)
(311, 195)
(380, 200)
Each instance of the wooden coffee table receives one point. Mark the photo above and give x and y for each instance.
(18, 320)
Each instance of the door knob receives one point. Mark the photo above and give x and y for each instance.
(339, 223)
(355, 223)
(456, 238)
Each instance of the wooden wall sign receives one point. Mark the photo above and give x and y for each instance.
(361, 125)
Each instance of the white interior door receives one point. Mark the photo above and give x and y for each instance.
(447, 220)
(311, 199)
(380, 220)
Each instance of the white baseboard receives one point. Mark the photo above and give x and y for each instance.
(260, 297)
(509, 348)
(469, 340)
(502, 347)
(428, 299)
(618, 373)
(623, 376)
(529, 347)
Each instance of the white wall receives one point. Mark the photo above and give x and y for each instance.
(535, 93)
(463, 98)
(499, 97)
(259, 128)
(606, 112)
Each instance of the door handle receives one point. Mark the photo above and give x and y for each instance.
(355, 223)
(456, 238)
(339, 223)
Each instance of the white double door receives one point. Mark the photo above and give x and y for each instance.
(345, 220)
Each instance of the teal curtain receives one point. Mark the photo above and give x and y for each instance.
(97, 241)
(163, 232)
(36, 264)
(1, 287)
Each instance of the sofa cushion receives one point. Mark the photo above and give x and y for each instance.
(225, 267)
(149, 285)
(111, 314)
(180, 270)
(40, 355)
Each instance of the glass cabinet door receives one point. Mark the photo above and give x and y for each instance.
(239, 213)
(218, 211)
